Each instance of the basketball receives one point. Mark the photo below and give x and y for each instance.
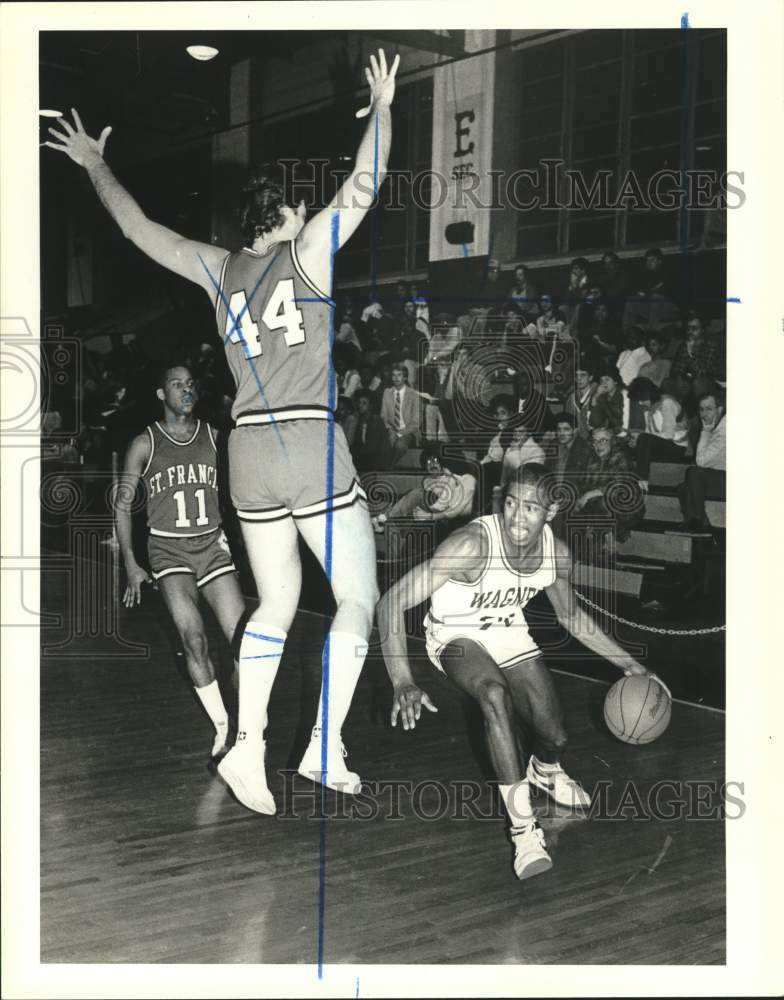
(637, 709)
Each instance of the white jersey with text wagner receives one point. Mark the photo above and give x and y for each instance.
(491, 610)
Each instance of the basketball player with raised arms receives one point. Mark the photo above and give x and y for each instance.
(290, 468)
(175, 459)
(479, 581)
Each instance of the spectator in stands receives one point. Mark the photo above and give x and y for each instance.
(607, 403)
(658, 368)
(375, 330)
(523, 294)
(401, 413)
(442, 496)
(610, 487)
(486, 302)
(346, 417)
(633, 357)
(346, 332)
(439, 419)
(707, 479)
(401, 296)
(422, 312)
(521, 450)
(601, 338)
(698, 364)
(370, 448)
(651, 305)
(578, 403)
(445, 335)
(371, 382)
(613, 283)
(576, 294)
(572, 453)
(666, 433)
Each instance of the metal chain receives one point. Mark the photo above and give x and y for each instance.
(649, 628)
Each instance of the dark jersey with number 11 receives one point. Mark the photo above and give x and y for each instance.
(275, 327)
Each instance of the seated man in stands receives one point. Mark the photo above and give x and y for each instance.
(572, 453)
(523, 294)
(401, 413)
(443, 495)
(651, 306)
(698, 364)
(578, 402)
(611, 488)
(370, 447)
(707, 479)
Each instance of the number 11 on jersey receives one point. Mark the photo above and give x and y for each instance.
(280, 313)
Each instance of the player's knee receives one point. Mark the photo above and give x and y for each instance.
(195, 642)
(495, 700)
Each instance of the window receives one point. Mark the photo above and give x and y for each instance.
(613, 102)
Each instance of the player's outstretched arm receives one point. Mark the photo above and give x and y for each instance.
(579, 624)
(358, 192)
(459, 554)
(163, 245)
(136, 458)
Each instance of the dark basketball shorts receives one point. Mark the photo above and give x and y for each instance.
(296, 468)
(204, 556)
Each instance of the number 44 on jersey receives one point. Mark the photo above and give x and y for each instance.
(280, 313)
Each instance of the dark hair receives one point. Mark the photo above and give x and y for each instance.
(611, 253)
(263, 198)
(531, 474)
(165, 367)
(654, 252)
(565, 418)
(363, 394)
(347, 402)
(611, 372)
(642, 388)
(431, 450)
(504, 400)
(715, 394)
(398, 366)
(580, 262)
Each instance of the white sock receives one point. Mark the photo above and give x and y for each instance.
(260, 653)
(347, 654)
(210, 697)
(517, 800)
(540, 765)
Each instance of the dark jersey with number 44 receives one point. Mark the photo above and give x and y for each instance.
(276, 333)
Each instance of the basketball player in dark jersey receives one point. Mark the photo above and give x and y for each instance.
(175, 458)
(479, 581)
(290, 468)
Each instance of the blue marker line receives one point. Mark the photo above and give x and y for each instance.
(335, 229)
(465, 249)
(269, 638)
(733, 299)
(356, 992)
(683, 220)
(238, 329)
(263, 656)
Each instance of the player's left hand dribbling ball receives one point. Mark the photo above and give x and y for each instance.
(637, 709)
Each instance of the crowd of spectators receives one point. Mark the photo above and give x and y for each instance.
(597, 377)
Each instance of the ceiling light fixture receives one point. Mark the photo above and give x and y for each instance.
(49, 113)
(202, 52)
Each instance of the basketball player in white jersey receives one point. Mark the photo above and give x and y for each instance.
(479, 582)
(176, 461)
(290, 468)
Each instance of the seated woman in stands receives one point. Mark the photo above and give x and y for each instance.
(665, 438)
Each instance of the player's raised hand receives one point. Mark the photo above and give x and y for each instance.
(74, 141)
(381, 82)
(133, 592)
(407, 702)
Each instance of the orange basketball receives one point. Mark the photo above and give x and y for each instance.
(637, 709)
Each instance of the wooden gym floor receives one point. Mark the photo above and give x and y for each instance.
(145, 856)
